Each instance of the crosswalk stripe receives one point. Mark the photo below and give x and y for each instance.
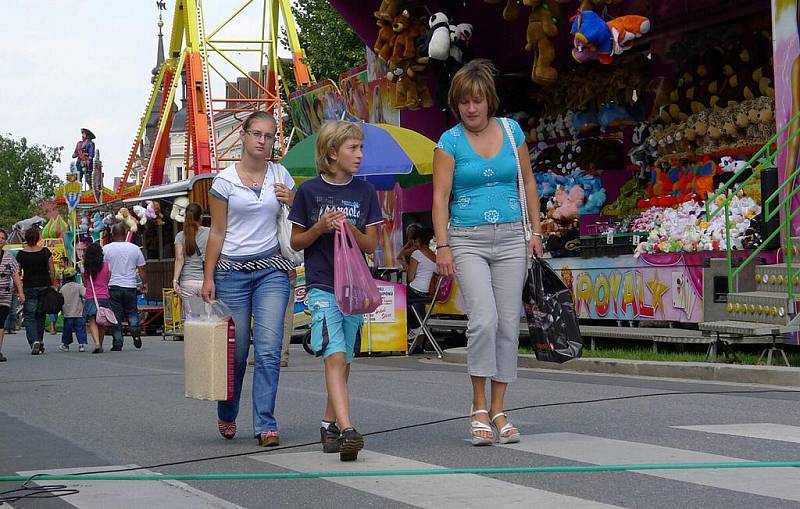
(762, 430)
(133, 494)
(781, 483)
(454, 491)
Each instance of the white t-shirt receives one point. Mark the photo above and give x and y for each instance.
(123, 258)
(425, 270)
(252, 218)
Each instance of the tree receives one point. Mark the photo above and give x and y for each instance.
(26, 177)
(331, 46)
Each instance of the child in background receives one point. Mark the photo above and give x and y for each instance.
(73, 311)
(411, 245)
(322, 205)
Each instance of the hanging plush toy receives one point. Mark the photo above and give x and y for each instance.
(594, 39)
(436, 43)
(141, 213)
(125, 217)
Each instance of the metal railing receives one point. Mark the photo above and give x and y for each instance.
(766, 157)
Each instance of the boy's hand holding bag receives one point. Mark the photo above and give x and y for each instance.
(353, 286)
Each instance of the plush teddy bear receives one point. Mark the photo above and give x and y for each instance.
(539, 35)
(125, 217)
(389, 9)
(406, 31)
(383, 45)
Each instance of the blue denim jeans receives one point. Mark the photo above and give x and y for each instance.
(123, 304)
(262, 295)
(34, 317)
(76, 325)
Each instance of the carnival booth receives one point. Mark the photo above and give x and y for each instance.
(637, 114)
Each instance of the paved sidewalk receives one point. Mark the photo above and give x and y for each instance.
(709, 371)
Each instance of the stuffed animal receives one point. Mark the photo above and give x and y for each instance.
(460, 35)
(404, 43)
(569, 203)
(594, 39)
(150, 211)
(97, 222)
(383, 45)
(125, 217)
(436, 43)
(159, 215)
(389, 9)
(539, 35)
(141, 213)
(84, 226)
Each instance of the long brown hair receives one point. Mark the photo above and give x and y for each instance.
(194, 213)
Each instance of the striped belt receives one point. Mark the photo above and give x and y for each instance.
(273, 262)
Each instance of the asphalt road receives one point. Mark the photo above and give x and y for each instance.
(76, 411)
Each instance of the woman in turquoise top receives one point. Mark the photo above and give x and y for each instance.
(481, 240)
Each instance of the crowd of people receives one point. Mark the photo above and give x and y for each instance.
(108, 282)
(479, 225)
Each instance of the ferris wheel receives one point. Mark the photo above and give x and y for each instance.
(229, 71)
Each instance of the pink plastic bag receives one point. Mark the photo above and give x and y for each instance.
(353, 287)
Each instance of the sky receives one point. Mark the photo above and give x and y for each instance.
(70, 64)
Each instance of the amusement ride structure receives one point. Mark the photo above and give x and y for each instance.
(200, 55)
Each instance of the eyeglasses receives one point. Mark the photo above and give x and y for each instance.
(258, 135)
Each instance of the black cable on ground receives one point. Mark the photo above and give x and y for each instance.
(50, 491)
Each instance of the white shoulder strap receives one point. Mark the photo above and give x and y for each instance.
(523, 198)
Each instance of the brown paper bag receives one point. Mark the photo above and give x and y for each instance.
(209, 353)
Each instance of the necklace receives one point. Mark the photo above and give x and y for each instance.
(253, 182)
(479, 131)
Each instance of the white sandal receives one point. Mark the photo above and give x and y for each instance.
(477, 426)
(508, 434)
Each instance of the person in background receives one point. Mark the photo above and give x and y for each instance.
(124, 259)
(481, 238)
(57, 282)
(324, 204)
(10, 284)
(190, 248)
(421, 270)
(36, 263)
(245, 270)
(412, 239)
(96, 274)
(72, 311)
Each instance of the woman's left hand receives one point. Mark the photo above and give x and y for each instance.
(535, 247)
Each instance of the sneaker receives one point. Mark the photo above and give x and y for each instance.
(116, 348)
(81, 348)
(350, 442)
(2, 358)
(63, 348)
(36, 348)
(137, 341)
(413, 333)
(330, 438)
(268, 439)
(41, 347)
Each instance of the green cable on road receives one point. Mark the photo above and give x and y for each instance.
(387, 473)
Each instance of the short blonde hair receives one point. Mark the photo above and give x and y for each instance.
(332, 136)
(474, 79)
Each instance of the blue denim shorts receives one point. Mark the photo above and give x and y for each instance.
(90, 310)
(331, 331)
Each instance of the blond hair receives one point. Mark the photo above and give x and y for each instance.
(474, 79)
(332, 136)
